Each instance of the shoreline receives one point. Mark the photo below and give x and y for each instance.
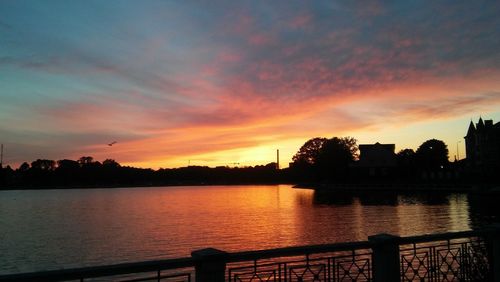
(319, 187)
(402, 188)
(136, 186)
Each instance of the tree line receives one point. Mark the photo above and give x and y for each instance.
(87, 172)
(318, 160)
(323, 159)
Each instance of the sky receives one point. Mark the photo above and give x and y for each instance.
(222, 82)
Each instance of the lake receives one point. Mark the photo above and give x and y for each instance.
(55, 229)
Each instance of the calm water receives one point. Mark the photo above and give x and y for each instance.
(53, 229)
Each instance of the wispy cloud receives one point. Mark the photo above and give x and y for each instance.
(190, 79)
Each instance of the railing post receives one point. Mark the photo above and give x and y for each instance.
(385, 258)
(210, 265)
(494, 238)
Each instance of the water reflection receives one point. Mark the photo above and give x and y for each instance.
(53, 229)
(378, 199)
(338, 199)
(399, 213)
(484, 210)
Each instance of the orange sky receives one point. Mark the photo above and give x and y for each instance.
(223, 83)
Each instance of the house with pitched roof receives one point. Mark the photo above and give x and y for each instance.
(482, 145)
(376, 159)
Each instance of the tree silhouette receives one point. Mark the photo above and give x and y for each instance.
(432, 154)
(67, 165)
(322, 158)
(406, 157)
(406, 163)
(309, 152)
(85, 161)
(6, 174)
(68, 172)
(44, 165)
(110, 163)
(335, 156)
(24, 167)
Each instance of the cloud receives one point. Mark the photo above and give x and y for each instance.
(29, 145)
(450, 107)
(219, 77)
(300, 21)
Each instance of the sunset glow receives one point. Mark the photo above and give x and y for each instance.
(201, 83)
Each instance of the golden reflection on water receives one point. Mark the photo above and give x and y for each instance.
(459, 213)
(68, 228)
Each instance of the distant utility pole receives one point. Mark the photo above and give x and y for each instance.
(1, 156)
(278, 159)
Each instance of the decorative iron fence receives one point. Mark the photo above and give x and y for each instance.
(161, 270)
(335, 262)
(464, 258)
(459, 256)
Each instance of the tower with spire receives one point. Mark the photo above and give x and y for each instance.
(470, 143)
(482, 144)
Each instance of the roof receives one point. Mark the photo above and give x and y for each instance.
(471, 129)
(378, 145)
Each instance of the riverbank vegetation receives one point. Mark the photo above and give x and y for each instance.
(319, 162)
(86, 172)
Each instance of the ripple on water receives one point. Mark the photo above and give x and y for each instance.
(54, 229)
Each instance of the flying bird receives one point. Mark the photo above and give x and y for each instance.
(112, 143)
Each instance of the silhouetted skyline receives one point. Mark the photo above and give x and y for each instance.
(214, 83)
(319, 162)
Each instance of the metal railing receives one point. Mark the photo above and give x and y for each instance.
(459, 256)
(331, 262)
(462, 256)
(159, 270)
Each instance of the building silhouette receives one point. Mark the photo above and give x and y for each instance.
(482, 146)
(376, 159)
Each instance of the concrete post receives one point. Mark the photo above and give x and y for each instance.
(210, 265)
(494, 245)
(385, 258)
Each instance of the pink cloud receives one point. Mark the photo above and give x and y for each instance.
(301, 21)
(229, 57)
(260, 39)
